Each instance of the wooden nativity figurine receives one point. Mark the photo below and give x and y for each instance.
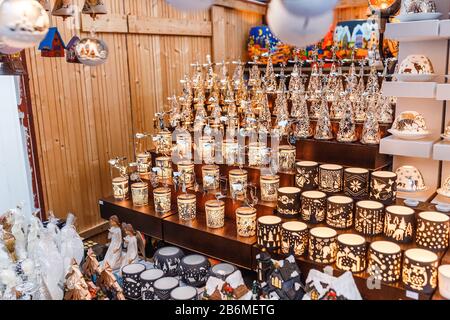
(113, 255)
(75, 286)
(134, 243)
(53, 45)
(91, 266)
(107, 282)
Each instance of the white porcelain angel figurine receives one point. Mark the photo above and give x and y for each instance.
(134, 243)
(71, 244)
(18, 230)
(114, 254)
(34, 232)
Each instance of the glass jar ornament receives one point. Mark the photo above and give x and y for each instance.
(131, 275)
(385, 261)
(143, 162)
(313, 206)
(269, 187)
(286, 158)
(162, 198)
(420, 270)
(215, 214)
(164, 143)
(238, 183)
(187, 207)
(288, 204)
(194, 270)
(356, 183)
(207, 149)
(24, 23)
(340, 212)
(307, 177)
(211, 177)
(92, 51)
(331, 178)
(167, 259)
(186, 169)
(432, 231)
(147, 280)
(399, 223)
(120, 188)
(351, 253)
(164, 286)
(185, 293)
(383, 187)
(322, 245)
(246, 221)
(269, 232)
(369, 217)
(230, 152)
(294, 238)
(139, 193)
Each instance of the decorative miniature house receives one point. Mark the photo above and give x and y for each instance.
(71, 54)
(53, 45)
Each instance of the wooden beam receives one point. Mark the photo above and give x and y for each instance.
(112, 23)
(167, 26)
(243, 5)
(352, 4)
(218, 39)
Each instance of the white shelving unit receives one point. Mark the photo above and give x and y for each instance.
(413, 31)
(441, 151)
(401, 89)
(410, 148)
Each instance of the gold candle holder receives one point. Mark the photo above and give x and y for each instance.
(215, 214)
(186, 169)
(420, 270)
(187, 207)
(139, 192)
(120, 188)
(286, 158)
(294, 238)
(238, 182)
(351, 253)
(211, 177)
(230, 152)
(164, 143)
(143, 162)
(385, 261)
(246, 221)
(206, 149)
(162, 198)
(269, 187)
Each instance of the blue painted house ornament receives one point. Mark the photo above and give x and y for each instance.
(53, 45)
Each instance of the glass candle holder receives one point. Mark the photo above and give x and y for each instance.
(383, 187)
(230, 152)
(307, 177)
(184, 145)
(294, 238)
(211, 177)
(340, 212)
(120, 188)
(246, 221)
(356, 183)
(206, 150)
(351, 252)
(162, 198)
(288, 205)
(269, 232)
(165, 165)
(385, 261)
(432, 231)
(164, 142)
(369, 217)
(238, 183)
(215, 214)
(399, 223)
(187, 207)
(143, 162)
(322, 245)
(269, 187)
(331, 178)
(139, 192)
(420, 270)
(314, 206)
(186, 169)
(286, 158)
(258, 154)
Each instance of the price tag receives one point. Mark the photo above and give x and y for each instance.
(412, 295)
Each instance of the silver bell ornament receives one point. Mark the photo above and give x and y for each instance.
(23, 23)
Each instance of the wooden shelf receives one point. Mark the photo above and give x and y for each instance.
(413, 31)
(441, 151)
(402, 89)
(410, 148)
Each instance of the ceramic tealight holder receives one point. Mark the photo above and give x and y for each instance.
(356, 183)
(294, 238)
(186, 169)
(207, 149)
(444, 280)
(238, 183)
(211, 177)
(322, 245)
(307, 177)
(162, 198)
(420, 270)
(185, 293)
(147, 280)
(139, 194)
(131, 274)
(215, 214)
(230, 152)
(258, 154)
(164, 286)
(369, 217)
(187, 206)
(143, 162)
(432, 231)
(313, 206)
(351, 252)
(194, 270)
(165, 168)
(331, 178)
(164, 143)
(383, 187)
(222, 270)
(269, 187)
(399, 224)
(286, 158)
(340, 212)
(184, 145)
(120, 188)
(246, 221)
(288, 204)
(167, 259)
(269, 232)
(385, 261)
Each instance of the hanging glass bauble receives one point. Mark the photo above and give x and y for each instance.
(23, 23)
(63, 8)
(308, 8)
(92, 51)
(191, 5)
(94, 7)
